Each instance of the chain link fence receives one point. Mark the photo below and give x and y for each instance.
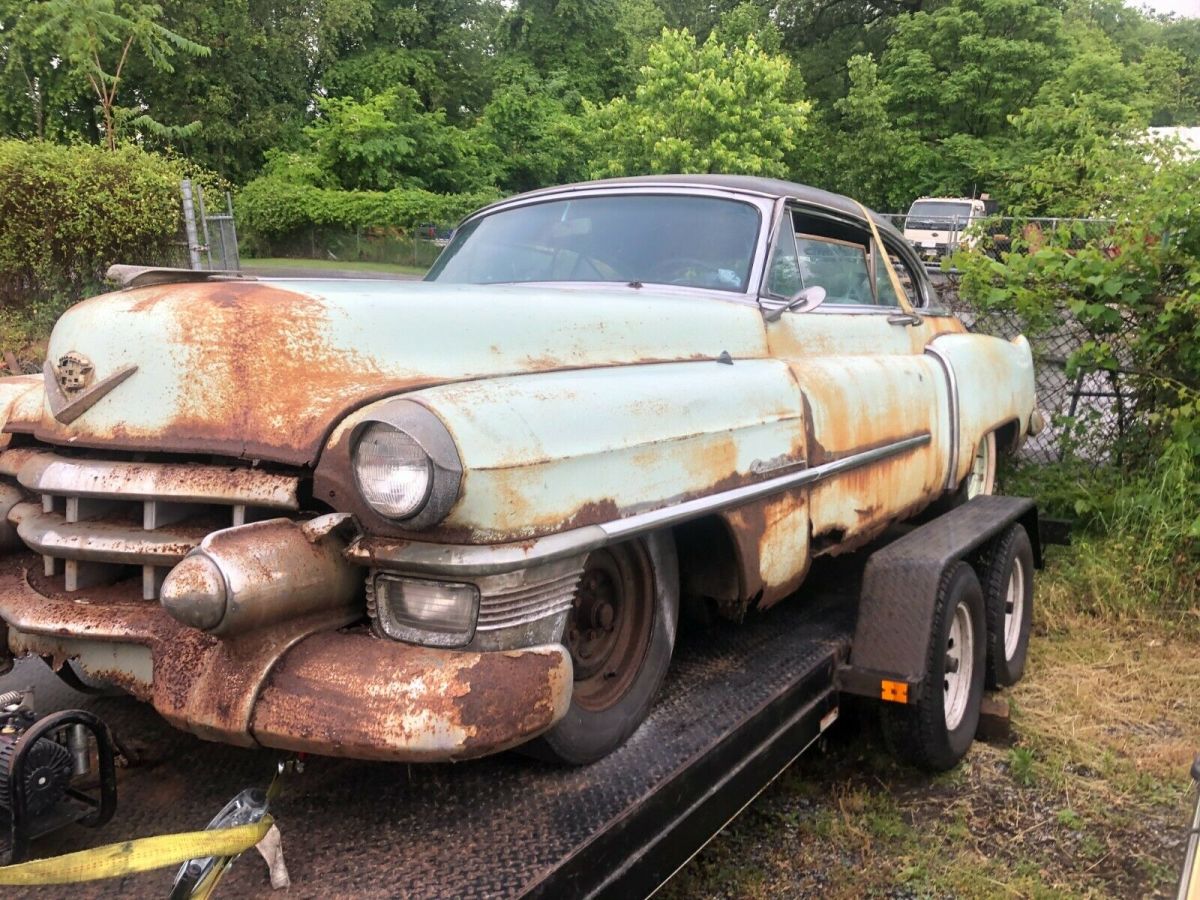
(1089, 414)
(414, 247)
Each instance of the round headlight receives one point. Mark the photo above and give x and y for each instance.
(394, 473)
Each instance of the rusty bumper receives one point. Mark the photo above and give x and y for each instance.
(309, 684)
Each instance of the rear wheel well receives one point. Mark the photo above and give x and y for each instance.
(1008, 436)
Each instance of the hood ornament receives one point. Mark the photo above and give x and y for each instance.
(69, 385)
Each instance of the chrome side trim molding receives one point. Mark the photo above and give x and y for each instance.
(490, 559)
(955, 414)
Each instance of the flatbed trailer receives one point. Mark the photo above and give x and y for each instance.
(739, 705)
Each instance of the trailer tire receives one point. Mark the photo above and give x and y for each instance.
(607, 705)
(936, 732)
(1007, 570)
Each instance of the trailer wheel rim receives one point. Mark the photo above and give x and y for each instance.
(1014, 608)
(608, 631)
(960, 660)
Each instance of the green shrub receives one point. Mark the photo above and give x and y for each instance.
(69, 212)
(273, 209)
(1136, 537)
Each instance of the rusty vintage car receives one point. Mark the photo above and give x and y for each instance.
(433, 521)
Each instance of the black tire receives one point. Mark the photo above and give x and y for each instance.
(601, 719)
(1005, 660)
(918, 734)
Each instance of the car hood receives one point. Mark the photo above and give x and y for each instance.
(264, 369)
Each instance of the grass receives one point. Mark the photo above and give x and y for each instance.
(331, 265)
(1090, 797)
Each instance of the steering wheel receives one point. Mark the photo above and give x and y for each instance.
(684, 270)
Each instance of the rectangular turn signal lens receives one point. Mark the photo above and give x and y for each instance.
(433, 613)
(893, 691)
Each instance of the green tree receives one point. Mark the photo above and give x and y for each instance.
(390, 141)
(1064, 144)
(866, 155)
(965, 67)
(534, 141)
(251, 94)
(576, 43)
(442, 49)
(95, 39)
(702, 108)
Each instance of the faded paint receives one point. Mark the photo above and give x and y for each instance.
(12, 390)
(995, 387)
(866, 383)
(264, 370)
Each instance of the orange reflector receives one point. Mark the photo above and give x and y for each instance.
(895, 691)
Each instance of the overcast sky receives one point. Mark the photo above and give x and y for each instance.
(1179, 7)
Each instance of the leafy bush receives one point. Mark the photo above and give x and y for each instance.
(273, 208)
(1135, 290)
(68, 213)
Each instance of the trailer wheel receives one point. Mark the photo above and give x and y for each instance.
(935, 732)
(1008, 604)
(621, 632)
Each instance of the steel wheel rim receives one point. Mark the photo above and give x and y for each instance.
(1014, 608)
(960, 662)
(977, 481)
(608, 631)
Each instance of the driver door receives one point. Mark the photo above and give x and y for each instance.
(866, 382)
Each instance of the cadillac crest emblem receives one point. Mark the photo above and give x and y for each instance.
(74, 372)
(70, 389)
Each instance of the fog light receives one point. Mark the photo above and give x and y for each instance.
(434, 613)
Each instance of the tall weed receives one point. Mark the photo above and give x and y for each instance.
(1136, 546)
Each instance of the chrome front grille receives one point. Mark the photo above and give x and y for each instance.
(92, 519)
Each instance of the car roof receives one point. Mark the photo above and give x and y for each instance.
(773, 188)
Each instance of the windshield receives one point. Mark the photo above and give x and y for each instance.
(930, 215)
(702, 242)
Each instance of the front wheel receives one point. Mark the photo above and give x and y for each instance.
(935, 732)
(620, 633)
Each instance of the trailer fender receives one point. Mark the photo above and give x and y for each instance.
(899, 592)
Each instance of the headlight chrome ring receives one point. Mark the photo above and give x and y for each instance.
(393, 472)
(405, 464)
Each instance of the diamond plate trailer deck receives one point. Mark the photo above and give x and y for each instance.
(739, 705)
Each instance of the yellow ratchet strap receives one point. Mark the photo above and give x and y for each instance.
(887, 260)
(141, 855)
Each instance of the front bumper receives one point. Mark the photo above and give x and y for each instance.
(308, 684)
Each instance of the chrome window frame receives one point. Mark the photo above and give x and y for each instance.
(768, 301)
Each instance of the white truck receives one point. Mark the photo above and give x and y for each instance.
(937, 226)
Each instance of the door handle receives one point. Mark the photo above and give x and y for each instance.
(904, 319)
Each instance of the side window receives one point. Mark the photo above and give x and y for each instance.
(883, 281)
(838, 266)
(783, 272)
(814, 249)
